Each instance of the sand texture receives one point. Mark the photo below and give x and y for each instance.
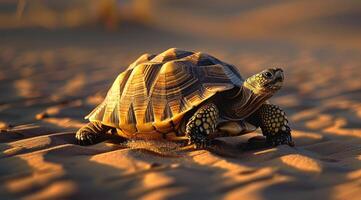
(50, 79)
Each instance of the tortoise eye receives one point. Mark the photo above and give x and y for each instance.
(268, 74)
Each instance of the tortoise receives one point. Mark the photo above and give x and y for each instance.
(188, 96)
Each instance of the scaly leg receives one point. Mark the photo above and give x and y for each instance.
(274, 124)
(202, 124)
(91, 133)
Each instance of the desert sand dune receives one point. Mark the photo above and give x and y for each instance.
(50, 79)
(40, 159)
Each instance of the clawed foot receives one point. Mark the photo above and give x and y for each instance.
(87, 138)
(282, 137)
(199, 141)
(259, 142)
(256, 142)
(91, 133)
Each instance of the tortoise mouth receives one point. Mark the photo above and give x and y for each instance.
(275, 83)
(276, 86)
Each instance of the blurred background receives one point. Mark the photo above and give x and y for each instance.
(55, 50)
(320, 23)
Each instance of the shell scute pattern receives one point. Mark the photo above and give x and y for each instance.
(155, 91)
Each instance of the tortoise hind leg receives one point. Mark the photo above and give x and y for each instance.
(274, 124)
(201, 125)
(92, 133)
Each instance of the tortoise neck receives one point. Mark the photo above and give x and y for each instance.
(244, 103)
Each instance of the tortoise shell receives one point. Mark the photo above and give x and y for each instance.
(156, 91)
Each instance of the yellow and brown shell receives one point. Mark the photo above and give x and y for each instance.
(155, 92)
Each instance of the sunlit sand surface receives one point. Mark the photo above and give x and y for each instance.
(50, 79)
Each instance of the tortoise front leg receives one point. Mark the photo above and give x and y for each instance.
(274, 124)
(202, 124)
(91, 133)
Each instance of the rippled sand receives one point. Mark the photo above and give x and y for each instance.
(49, 80)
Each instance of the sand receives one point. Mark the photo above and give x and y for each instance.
(50, 79)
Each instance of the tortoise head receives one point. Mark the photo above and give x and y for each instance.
(266, 82)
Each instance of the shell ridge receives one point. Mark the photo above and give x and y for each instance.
(128, 91)
(149, 113)
(131, 119)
